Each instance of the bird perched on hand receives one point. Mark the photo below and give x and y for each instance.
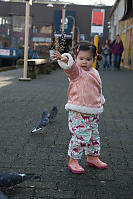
(3, 196)
(53, 113)
(42, 122)
(10, 179)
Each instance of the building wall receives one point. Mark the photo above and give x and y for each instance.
(116, 16)
(123, 27)
(126, 32)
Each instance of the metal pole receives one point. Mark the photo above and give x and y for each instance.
(78, 34)
(26, 44)
(73, 32)
(73, 29)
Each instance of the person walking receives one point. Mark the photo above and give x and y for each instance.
(85, 104)
(117, 50)
(106, 49)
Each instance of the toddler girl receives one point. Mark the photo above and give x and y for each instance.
(85, 104)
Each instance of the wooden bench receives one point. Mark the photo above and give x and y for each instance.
(36, 66)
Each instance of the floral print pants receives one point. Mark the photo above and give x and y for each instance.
(85, 135)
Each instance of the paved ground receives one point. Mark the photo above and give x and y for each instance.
(21, 104)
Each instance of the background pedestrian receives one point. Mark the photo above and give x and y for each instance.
(117, 50)
(106, 49)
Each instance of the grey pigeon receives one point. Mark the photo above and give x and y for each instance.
(42, 122)
(53, 113)
(10, 179)
(3, 196)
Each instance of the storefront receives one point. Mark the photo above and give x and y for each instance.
(46, 22)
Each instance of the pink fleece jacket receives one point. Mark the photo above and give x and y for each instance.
(85, 88)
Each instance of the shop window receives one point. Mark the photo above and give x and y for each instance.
(0, 20)
(5, 44)
(3, 21)
(19, 23)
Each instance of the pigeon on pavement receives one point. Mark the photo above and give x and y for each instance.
(3, 196)
(42, 122)
(53, 113)
(10, 179)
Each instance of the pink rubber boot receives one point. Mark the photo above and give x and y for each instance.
(74, 166)
(96, 162)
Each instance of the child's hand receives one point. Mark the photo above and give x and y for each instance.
(58, 56)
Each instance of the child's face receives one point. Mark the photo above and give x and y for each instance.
(84, 59)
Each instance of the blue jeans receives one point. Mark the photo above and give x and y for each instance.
(106, 61)
(116, 60)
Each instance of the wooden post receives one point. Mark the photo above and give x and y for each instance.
(26, 44)
(63, 18)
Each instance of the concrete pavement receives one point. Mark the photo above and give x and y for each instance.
(21, 104)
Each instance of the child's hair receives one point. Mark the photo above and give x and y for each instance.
(85, 46)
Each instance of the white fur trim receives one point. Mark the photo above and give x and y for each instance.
(83, 109)
(64, 65)
(102, 99)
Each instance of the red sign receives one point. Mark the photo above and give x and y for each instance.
(97, 18)
(97, 22)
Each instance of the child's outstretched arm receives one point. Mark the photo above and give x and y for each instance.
(58, 56)
(67, 63)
